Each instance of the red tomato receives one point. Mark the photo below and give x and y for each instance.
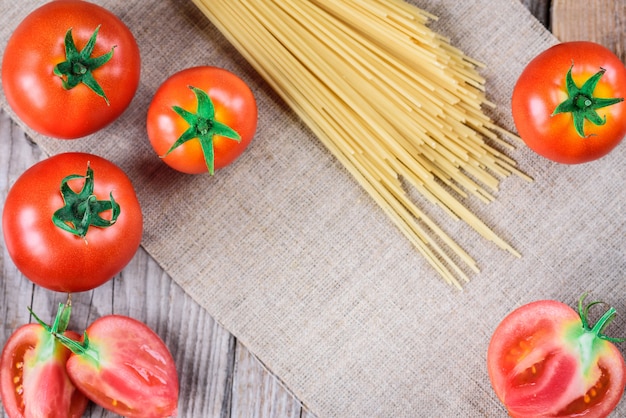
(545, 360)
(38, 51)
(123, 366)
(571, 119)
(201, 119)
(33, 380)
(66, 256)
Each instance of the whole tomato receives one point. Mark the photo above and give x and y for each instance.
(546, 360)
(71, 222)
(201, 119)
(124, 366)
(568, 102)
(71, 58)
(33, 379)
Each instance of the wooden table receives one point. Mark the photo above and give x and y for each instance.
(219, 377)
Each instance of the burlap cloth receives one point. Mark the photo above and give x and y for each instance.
(288, 252)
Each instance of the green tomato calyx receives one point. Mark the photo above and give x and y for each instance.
(60, 325)
(80, 349)
(203, 126)
(582, 104)
(82, 210)
(79, 65)
(598, 329)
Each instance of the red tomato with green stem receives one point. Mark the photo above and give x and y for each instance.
(125, 367)
(546, 360)
(568, 104)
(71, 222)
(33, 379)
(201, 119)
(74, 59)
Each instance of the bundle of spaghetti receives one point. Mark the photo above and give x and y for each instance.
(392, 100)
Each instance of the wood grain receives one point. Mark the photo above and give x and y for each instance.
(540, 9)
(219, 377)
(598, 21)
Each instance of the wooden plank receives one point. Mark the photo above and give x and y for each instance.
(540, 9)
(597, 21)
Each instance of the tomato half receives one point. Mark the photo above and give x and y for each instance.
(50, 51)
(126, 368)
(568, 102)
(201, 119)
(545, 360)
(72, 221)
(33, 379)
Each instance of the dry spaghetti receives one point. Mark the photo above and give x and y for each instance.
(389, 97)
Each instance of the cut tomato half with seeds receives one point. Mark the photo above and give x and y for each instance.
(546, 360)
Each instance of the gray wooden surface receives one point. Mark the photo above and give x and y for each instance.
(219, 377)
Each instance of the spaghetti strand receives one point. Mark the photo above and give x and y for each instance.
(391, 99)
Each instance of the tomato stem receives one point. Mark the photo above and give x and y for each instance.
(603, 322)
(203, 126)
(581, 102)
(74, 346)
(61, 320)
(59, 326)
(82, 210)
(79, 65)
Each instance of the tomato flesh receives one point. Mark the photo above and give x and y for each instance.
(126, 369)
(33, 380)
(542, 362)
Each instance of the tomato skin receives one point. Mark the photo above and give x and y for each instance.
(33, 360)
(135, 374)
(54, 258)
(541, 87)
(235, 106)
(538, 369)
(37, 45)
